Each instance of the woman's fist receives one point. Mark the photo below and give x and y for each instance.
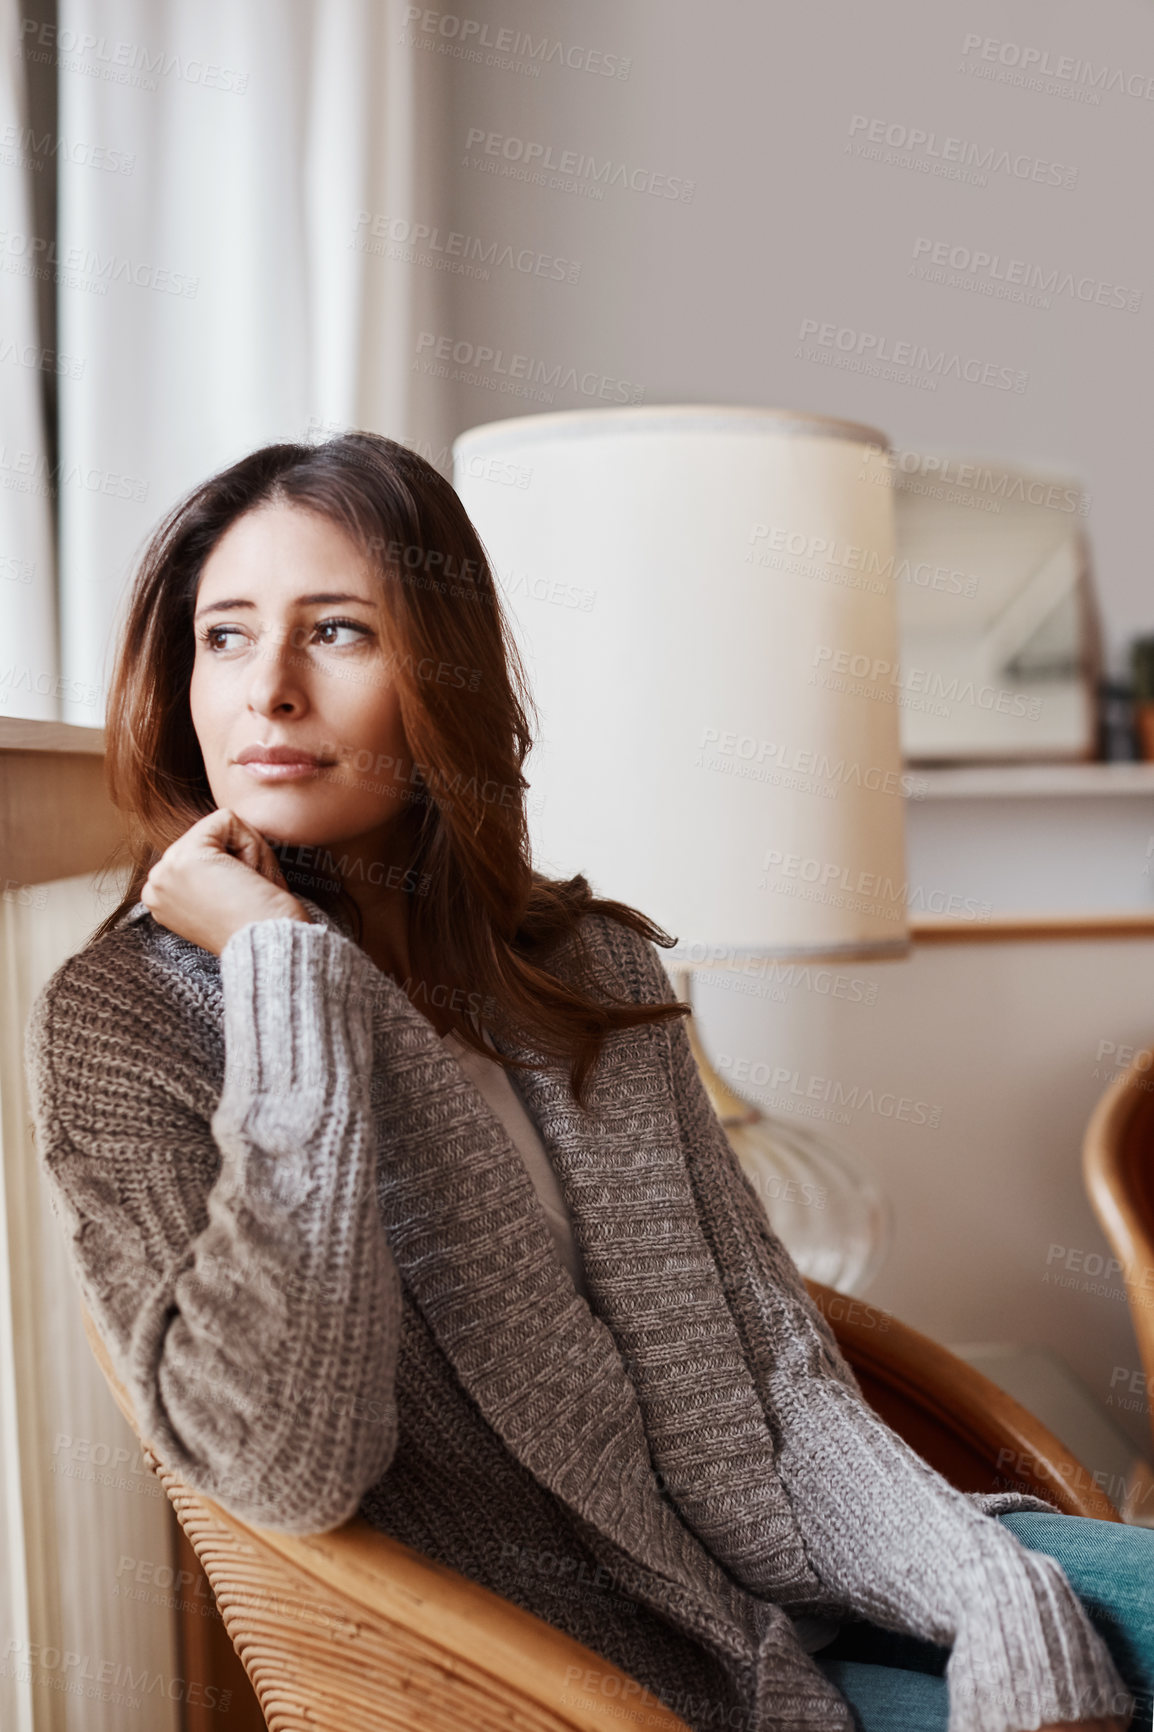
(217, 877)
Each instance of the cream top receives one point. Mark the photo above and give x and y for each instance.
(496, 1085)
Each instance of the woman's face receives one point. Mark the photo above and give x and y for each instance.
(291, 652)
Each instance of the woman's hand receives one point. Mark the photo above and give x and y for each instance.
(214, 879)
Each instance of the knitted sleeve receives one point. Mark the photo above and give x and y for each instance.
(886, 1534)
(235, 1263)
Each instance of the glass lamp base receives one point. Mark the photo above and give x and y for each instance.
(832, 1219)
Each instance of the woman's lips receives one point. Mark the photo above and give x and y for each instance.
(269, 772)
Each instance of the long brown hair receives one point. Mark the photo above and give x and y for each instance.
(482, 919)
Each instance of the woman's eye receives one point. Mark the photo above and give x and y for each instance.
(326, 625)
(214, 636)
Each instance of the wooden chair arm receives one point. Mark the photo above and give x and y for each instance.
(408, 1628)
(953, 1414)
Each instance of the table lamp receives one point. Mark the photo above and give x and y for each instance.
(704, 600)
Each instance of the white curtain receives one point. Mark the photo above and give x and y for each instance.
(28, 650)
(217, 292)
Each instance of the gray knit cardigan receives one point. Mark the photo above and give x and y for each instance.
(324, 1276)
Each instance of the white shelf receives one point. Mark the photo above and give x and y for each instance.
(1021, 781)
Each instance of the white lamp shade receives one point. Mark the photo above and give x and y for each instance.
(697, 593)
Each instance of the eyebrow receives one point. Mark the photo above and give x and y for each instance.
(324, 599)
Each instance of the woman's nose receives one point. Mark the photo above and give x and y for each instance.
(275, 681)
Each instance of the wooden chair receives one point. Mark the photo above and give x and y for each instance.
(1118, 1169)
(351, 1631)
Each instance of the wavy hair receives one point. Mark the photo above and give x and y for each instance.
(485, 921)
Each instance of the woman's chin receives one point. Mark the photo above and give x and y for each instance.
(284, 812)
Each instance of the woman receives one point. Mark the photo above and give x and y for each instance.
(392, 1186)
